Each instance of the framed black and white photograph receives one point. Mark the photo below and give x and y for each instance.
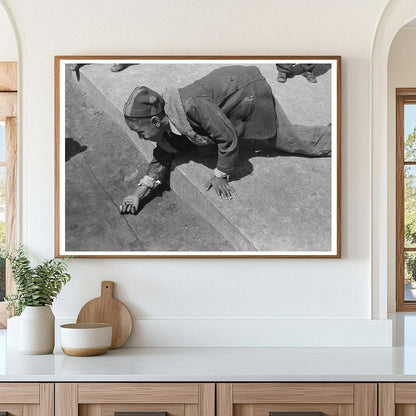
(198, 156)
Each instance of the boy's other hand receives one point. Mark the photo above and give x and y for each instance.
(221, 187)
(130, 204)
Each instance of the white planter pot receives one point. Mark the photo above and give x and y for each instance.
(37, 330)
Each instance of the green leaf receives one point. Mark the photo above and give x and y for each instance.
(35, 286)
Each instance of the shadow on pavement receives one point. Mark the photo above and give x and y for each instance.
(72, 148)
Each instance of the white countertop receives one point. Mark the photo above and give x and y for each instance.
(215, 364)
(222, 364)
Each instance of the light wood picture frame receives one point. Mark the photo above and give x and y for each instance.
(272, 123)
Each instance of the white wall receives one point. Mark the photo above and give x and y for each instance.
(8, 47)
(401, 74)
(285, 298)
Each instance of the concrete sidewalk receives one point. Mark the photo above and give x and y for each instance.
(101, 164)
(283, 202)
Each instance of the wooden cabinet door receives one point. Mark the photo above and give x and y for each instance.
(26, 399)
(397, 399)
(297, 399)
(143, 399)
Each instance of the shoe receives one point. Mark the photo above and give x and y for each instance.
(74, 67)
(119, 67)
(310, 77)
(281, 77)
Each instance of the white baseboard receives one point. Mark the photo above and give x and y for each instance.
(212, 332)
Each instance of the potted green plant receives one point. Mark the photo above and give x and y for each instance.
(36, 289)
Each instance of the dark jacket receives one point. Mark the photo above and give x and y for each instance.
(229, 104)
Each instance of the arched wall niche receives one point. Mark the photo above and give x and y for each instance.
(9, 45)
(9, 54)
(396, 15)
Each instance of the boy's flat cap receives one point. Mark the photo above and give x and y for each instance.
(144, 102)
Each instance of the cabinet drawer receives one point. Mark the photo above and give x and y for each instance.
(138, 393)
(19, 393)
(297, 399)
(147, 399)
(397, 399)
(21, 399)
(140, 409)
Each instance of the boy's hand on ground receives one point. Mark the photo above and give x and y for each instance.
(130, 204)
(221, 187)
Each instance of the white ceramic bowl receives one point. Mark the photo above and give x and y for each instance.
(83, 340)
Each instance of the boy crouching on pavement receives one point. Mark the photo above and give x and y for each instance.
(228, 105)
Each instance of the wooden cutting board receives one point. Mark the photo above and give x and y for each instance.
(108, 310)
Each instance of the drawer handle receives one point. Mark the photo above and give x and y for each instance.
(139, 414)
(295, 414)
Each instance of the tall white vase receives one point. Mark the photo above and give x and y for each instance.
(37, 330)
